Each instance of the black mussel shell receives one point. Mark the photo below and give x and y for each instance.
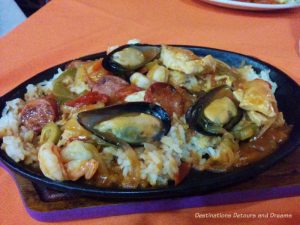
(195, 115)
(88, 119)
(150, 52)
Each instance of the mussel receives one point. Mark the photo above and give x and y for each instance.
(127, 59)
(129, 123)
(215, 112)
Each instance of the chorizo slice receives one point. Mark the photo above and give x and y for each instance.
(109, 85)
(38, 112)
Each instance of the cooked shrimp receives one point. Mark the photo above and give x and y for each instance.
(79, 168)
(80, 159)
(77, 159)
(51, 163)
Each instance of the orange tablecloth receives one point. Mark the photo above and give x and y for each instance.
(67, 29)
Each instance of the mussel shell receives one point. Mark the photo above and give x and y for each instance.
(150, 52)
(196, 119)
(88, 119)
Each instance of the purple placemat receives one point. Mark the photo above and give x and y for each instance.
(166, 204)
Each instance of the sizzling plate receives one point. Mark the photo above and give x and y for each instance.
(288, 98)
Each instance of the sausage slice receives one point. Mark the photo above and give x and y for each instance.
(38, 112)
(109, 85)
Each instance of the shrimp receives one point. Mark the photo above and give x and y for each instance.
(79, 168)
(76, 160)
(51, 163)
(81, 159)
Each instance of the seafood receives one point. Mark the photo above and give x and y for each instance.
(143, 116)
(127, 59)
(50, 162)
(71, 163)
(132, 123)
(215, 113)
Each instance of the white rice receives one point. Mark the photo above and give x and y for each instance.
(152, 163)
(125, 162)
(158, 166)
(13, 146)
(16, 139)
(10, 121)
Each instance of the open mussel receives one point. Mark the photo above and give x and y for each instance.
(127, 59)
(215, 113)
(131, 123)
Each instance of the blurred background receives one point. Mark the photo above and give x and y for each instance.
(14, 12)
(30, 6)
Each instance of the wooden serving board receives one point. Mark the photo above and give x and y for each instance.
(282, 180)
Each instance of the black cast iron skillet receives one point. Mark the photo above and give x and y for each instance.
(287, 95)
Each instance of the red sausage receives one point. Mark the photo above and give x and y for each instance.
(167, 96)
(109, 85)
(38, 112)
